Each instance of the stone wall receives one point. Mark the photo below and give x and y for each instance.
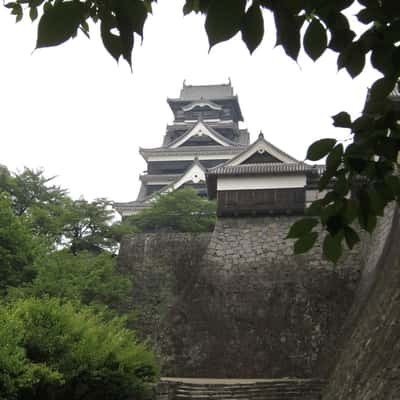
(239, 304)
(162, 266)
(368, 366)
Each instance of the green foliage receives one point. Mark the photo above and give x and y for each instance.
(219, 31)
(88, 226)
(315, 39)
(60, 21)
(19, 248)
(367, 168)
(60, 348)
(179, 211)
(60, 221)
(41, 204)
(320, 149)
(52, 350)
(85, 278)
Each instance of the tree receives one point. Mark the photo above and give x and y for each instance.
(53, 350)
(37, 200)
(367, 168)
(87, 278)
(88, 226)
(19, 248)
(179, 211)
(58, 219)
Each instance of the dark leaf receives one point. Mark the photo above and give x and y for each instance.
(253, 27)
(340, 39)
(224, 20)
(315, 39)
(382, 88)
(10, 5)
(305, 243)
(376, 202)
(332, 247)
(367, 15)
(334, 159)
(126, 35)
(363, 123)
(59, 23)
(341, 186)
(320, 149)
(302, 226)
(16, 10)
(334, 224)
(350, 211)
(288, 31)
(342, 120)
(191, 5)
(111, 42)
(356, 164)
(367, 221)
(133, 13)
(343, 4)
(353, 59)
(33, 13)
(315, 207)
(393, 182)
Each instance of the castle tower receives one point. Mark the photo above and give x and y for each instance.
(205, 133)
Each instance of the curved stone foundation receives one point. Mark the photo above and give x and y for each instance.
(240, 305)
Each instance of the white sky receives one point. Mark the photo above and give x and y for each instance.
(74, 112)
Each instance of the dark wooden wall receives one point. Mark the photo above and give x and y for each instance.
(258, 202)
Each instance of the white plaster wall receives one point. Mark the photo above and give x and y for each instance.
(260, 182)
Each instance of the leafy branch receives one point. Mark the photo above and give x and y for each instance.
(359, 180)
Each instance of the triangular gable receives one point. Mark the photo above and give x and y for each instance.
(261, 146)
(201, 129)
(195, 173)
(203, 140)
(202, 103)
(261, 158)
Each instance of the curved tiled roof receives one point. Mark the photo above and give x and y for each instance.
(147, 178)
(192, 150)
(197, 92)
(210, 129)
(265, 168)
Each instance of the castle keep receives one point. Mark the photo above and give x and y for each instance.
(236, 303)
(205, 140)
(205, 132)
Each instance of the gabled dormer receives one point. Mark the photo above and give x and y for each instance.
(260, 180)
(201, 135)
(261, 152)
(208, 102)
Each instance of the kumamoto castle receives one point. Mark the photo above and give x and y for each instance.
(233, 314)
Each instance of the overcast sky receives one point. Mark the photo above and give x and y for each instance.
(74, 112)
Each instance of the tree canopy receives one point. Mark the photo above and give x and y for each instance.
(50, 349)
(64, 307)
(57, 218)
(179, 211)
(360, 179)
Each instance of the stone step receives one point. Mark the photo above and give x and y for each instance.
(246, 391)
(243, 395)
(226, 387)
(249, 391)
(279, 389)
(246, 385)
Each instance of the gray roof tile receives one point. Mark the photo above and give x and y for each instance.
(264, 168)
(197, 92)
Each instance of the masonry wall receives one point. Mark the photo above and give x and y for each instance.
(368, 366)
(238, 303)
